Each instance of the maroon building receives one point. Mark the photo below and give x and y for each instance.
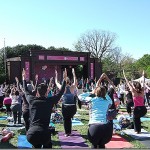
(44, 63)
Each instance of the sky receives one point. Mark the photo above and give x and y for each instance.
(60, 23)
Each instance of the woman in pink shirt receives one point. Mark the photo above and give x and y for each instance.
(138, 99)
(7, 102)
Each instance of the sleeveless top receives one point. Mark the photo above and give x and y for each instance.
(68, 97)
(129, 97)
(138, 101)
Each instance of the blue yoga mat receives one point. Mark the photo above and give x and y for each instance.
(115, 121)
(51, 124)
(3, 117)
(22, 142)
(76, 122)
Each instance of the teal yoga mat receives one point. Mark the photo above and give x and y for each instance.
(76, 122)
(3, 117)
(23, 143)
(51, 124)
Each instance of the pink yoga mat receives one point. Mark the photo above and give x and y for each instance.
(73, 141)
(118, 142)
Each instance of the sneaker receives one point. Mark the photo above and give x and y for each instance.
(138, 132)
(67, 135)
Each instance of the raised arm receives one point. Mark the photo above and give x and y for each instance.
(57, 97)
(36, 81)
(26, 91)
(106, 77)
(74, 77)
(56, 80)
(24, 80)
(17, 83)
(143, 80)
(128, 83)
(50, 82)
(98, 83)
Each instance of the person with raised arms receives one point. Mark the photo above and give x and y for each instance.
(137, 90)
(68, 103)
(40, 108)
(100, 128)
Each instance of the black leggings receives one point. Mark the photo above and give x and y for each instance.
(16, 110)
(139, 112)
(68, 111)
(39, 136)
(8, 109)
(1, 101)
(128, 106)
(100, 134)
(147, 98)
(26, 119)
(122, 98)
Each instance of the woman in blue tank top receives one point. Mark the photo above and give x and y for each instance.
(100, 128)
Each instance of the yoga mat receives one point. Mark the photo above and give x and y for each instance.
(115, 121)
(51, 124)
(118, 142)
(0, 137)
(142, 119)
(145, 119)
(15, 127)
(77, 114)
(22, 142)
(76, 122)
(3, 117)
(143, 137)
(73, 141)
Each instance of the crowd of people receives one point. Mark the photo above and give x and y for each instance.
(35, 102)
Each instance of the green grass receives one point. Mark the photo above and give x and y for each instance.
(12, 143)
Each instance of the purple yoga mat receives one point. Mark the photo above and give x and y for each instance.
(73, 141)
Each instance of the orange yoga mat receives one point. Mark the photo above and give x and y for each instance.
(118, 142)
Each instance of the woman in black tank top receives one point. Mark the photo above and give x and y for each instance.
(68, 103)
(129, 101)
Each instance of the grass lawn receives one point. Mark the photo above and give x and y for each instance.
(12, 143)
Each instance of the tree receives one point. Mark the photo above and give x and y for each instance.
(98, 43)
(60, 48)
(51, 48)
(148, 71)
(111, 61)
(143, 64)
(19, 50)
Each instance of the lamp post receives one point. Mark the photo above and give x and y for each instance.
(30, 65)
(5, 57)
